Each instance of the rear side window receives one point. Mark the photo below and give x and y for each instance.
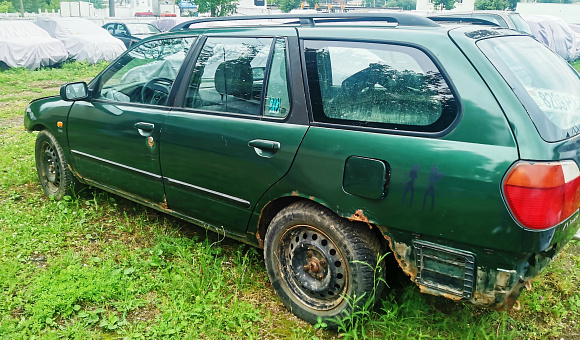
(377, 85)
(547, 86)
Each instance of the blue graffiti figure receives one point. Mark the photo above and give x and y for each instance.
(433, 179)
(410, 186)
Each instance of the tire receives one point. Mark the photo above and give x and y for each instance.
(52, 167)
(317, 262)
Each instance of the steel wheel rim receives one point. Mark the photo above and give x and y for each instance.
(50, 166)
(313, 267)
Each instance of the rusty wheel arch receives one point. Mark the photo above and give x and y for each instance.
(269, 211)
(274, 207)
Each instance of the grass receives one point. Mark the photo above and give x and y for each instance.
(99, 266)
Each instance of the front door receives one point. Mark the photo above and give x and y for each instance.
(232, 140)
(114, 138)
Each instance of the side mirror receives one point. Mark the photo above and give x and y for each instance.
(74, 91)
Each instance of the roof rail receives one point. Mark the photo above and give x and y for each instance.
(463, 20)
(309, 19)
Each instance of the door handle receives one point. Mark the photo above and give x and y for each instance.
(264, 148)
(144, 129)
(264, 144)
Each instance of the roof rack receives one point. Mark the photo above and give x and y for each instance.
(400, 19)
(463, 20)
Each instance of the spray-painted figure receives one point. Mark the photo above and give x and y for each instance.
(433, 179)
(410, 186)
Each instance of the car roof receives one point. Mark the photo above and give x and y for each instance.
(309, 19)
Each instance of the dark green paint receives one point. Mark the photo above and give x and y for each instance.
(222, 171)
(365, 177)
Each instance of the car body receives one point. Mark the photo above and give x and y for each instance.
(23, 44)
(506, 19)
(447, 146)
(144, 14)
(130, 33)
(83, 39)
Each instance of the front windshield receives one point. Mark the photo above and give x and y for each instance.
(142, 29)
(547, 86)
(520, 23)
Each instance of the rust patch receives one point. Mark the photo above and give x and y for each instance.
(427, 290)
(359, 216)
(259, 239)
(295, 193)
(402, 254)
(311, 198)
(164, 205)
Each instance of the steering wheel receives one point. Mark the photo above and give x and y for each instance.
(156, 91)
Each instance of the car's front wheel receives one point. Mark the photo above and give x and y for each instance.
(318, 263)
(54, 174)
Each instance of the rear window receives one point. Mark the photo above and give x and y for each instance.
(547, 86)
(378, 86)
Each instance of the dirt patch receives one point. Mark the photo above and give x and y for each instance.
(11, 122)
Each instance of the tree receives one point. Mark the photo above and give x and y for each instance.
(491, 4)
(447, 4)
(288, 5)
(6, 7)
(406, 5)
(219, 8)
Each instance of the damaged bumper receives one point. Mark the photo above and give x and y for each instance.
(483, 277)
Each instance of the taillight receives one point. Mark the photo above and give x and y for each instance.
(541, 195)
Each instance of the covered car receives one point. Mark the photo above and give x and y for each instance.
(130, 33)
(554, 33)
(23, 44)
(83, 39)
(165, 24)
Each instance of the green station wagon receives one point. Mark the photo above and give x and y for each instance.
(330, 140)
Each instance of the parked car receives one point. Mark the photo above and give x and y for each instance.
(130, 33)
(23, 44)
(507, 19)
(144, 14)
(556, 34)
(454, 148)
(83, 39)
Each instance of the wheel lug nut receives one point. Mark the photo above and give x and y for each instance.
(319, 276)
(306, 268)
(309, 254)
(323, 263)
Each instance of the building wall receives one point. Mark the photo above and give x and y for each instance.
(570, 13)
(461, 5)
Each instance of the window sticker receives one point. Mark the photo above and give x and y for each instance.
(275, 104)
(562, 108)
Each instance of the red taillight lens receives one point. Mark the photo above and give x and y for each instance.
(541, 195)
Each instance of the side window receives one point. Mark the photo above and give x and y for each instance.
(110, 28)
(229, 75)
(145, 74)
(121, 29)
(377, 85)
(277, 100)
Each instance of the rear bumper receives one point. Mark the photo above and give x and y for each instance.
(484, 277)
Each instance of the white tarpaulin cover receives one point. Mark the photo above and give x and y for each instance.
(23, 44)
(576, 29)
(165, 24)
(83, 39)
(554, 33)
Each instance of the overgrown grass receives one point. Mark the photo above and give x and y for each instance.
(576, 64)
(98, 266)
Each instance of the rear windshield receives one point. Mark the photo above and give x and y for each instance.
(547, 86)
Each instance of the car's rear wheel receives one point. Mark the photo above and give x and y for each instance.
(54, 174)
(318, 262)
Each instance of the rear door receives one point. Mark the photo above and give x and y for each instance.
(237, 132)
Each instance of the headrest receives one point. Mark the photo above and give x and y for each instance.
(234, 77)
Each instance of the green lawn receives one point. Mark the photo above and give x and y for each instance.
(99, 266)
